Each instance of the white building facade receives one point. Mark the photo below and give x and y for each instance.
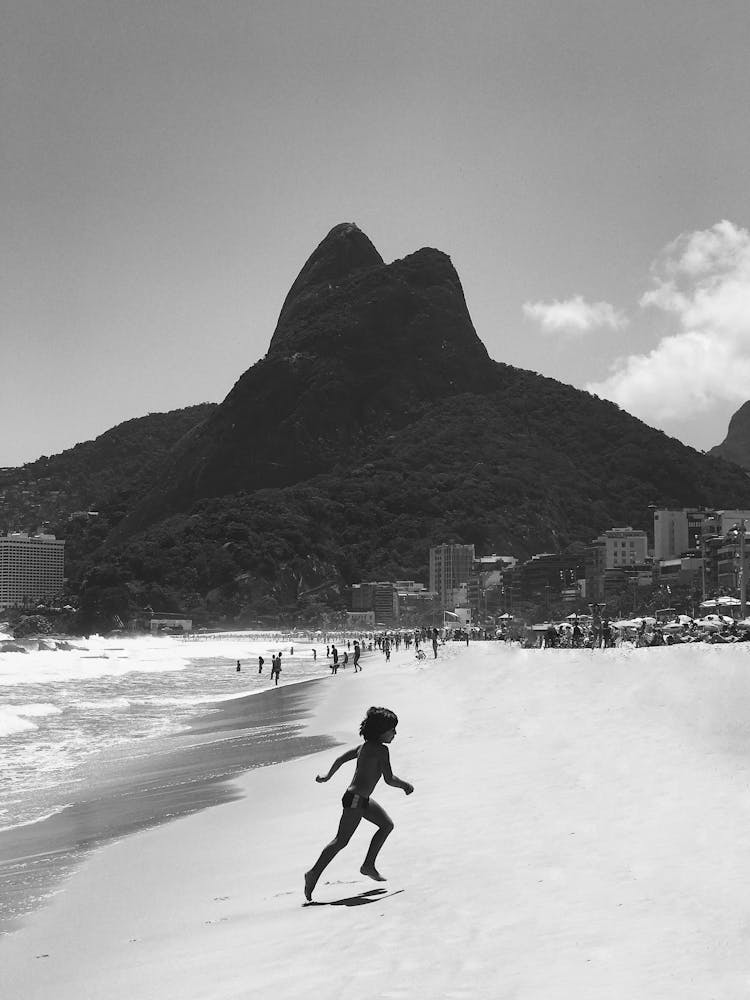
(32, 568)
(624, 547)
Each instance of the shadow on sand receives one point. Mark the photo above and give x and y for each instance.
(369, 896)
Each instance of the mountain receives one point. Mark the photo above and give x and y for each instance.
(123, 460)
(736, 445)
(360, 350)
(376, 426)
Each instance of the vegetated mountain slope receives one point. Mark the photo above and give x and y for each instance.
(736, 445)
(124, 460)
(361, 349)
(530, 468)
(375, 427)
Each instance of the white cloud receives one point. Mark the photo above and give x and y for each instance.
(574, 316)
(702, 281)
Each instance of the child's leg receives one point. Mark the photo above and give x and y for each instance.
(377, 815)
(347, 825)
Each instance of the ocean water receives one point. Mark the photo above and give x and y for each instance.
(114, 736)
(62, 712)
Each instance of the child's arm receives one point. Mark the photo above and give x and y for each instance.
(349, 755)
(390, 778)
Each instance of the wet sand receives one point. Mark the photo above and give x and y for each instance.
(159, 781)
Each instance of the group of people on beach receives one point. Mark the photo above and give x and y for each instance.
(606, 634)
(332, 653)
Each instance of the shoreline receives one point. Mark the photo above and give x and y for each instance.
(580, 827)
(170, 777)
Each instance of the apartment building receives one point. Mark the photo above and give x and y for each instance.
(31, 568)
(451, 567)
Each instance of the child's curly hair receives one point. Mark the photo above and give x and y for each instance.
(376, 722)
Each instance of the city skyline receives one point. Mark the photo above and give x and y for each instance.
(169, 168)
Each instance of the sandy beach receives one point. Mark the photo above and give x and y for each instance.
(580, 827)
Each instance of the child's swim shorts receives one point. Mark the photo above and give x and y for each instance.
(353, 801)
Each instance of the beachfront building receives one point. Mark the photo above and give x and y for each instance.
(415, 602)
(547, 575)
(683, 530)
(31, 569)
(168, 621)
(671, 537)
(616, 560)
(624, 547)
(378, 596)
(451, 566)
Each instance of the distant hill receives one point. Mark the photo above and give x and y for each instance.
(376, 425)
(736, 445)
(124, 460)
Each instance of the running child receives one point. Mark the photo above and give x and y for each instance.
(373, 762)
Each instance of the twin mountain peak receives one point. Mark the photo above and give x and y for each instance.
(373, 362)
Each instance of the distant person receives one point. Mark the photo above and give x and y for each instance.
(238, 666)
(434, 643)
(356, 657)
(315, 654)
(335, 657)
(328, 651)
(346, 659)
(276, 668)
(373, 762)
(261, 661)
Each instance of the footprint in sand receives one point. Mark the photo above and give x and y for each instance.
(220, 899)
(41, 956)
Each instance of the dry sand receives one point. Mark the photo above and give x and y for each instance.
(580, 828)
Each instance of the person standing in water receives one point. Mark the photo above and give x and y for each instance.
(373, 763)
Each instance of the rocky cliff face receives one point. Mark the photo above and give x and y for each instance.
(360, 349)
(736, 445)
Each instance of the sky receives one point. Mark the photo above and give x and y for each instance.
(169, 165)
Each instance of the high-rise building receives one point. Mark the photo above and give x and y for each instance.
(450, 566)
(31, 568)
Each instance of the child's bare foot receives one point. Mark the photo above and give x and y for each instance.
(310, 883)
(371, 872)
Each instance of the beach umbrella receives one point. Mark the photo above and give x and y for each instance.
(505, 617)
(729, 602)
(714, 622)
(672, 627)
(708, 604)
